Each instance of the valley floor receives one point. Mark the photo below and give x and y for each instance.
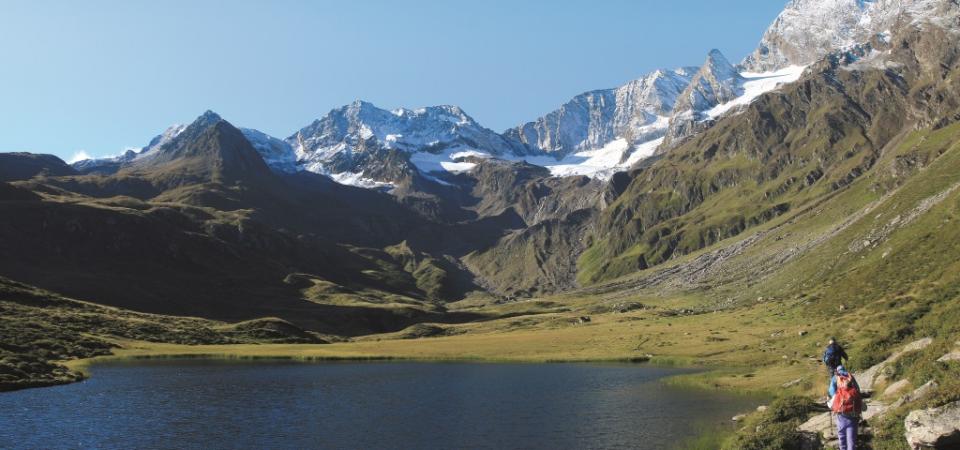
(716, 340)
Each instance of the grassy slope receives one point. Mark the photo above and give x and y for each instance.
(38, 329)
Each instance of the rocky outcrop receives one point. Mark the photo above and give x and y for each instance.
(917, 394)
(876, 374)
(896, 388)
(935, 428)
(952, 356)
(716, 82)
(808, 30)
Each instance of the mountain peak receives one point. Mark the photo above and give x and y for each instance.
(807, 30)
(716, 54)
(207, 118)
(209, 149)
(718, 66)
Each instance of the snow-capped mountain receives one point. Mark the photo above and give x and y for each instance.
(808, 30)
(595, 133)
(110, 164)
(637, 111)
(432, 136)
(277, 153)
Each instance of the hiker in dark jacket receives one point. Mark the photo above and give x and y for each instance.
(834, 356)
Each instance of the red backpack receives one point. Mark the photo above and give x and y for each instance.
(847, 399)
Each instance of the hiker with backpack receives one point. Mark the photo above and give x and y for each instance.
(834, 356)
(846, 403)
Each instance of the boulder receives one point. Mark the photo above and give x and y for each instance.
(952, 356)
(917, 345)
(874, 409)
(896, 388)
(935, 428)
(809, 441)
(820, 423)
(917, 394)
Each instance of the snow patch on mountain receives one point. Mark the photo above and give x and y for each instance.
(358, 180)
(601, 163)
(275, 152)
(160, 140)
(754, 85)
(452, 160)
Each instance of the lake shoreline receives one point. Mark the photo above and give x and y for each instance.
(704, 378)
(701, 378)
(606, 404)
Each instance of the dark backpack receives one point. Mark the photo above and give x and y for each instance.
(832, 356)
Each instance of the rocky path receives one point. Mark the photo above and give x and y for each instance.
(932, 428)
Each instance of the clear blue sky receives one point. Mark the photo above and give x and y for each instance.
(98, 76)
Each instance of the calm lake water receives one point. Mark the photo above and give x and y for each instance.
(210, 404)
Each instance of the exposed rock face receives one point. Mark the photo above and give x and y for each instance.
(637, 110)
(952, 356)
(715, 83)
(808, 30)
(937, 428)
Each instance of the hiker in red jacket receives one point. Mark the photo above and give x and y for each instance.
(846, 404)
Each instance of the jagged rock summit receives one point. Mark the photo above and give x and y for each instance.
(717, 82)
(637, 111)
(808, 30)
